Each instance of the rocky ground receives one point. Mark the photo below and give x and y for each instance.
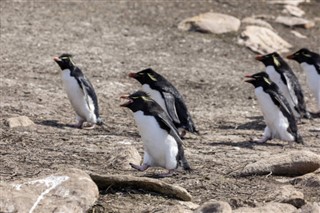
(110, 39)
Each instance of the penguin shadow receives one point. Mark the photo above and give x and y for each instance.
(54, 123)
(256, 123)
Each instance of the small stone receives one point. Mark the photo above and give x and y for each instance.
(216, 23)
(271, 207)
(122, 156)
(295, 22)
(290, 2)
(297, 34)
(309, 208)
(263, 40)
(288, 194)
(20, 121)
(214, 206)
(293, 10)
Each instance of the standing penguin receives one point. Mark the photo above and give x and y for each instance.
(168, 97)
(161, 141)
(282, 75)
(310, 63)
(80, 92)
(276, 111)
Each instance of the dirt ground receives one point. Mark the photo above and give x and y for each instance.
(110, 39)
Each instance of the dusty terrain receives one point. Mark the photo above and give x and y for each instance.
(110, 39)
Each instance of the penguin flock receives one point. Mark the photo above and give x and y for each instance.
(163, 119)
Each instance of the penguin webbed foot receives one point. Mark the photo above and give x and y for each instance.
(261, 140)
(141, 168)
(88, 127)
(170, 173)
(78, 125)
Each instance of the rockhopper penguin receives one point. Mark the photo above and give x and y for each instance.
(161, 141)
(310, 63)
(276, 111)
(167, 96)
(80, 92)
(282, 75)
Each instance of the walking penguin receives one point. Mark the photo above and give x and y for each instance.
(80, 92)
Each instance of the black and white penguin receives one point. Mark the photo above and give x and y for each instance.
(282, 75)
(161, 141)
(168, 97)
(276, 111)
(80, 92)
(310, 63)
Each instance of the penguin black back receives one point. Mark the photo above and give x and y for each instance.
(175, 105)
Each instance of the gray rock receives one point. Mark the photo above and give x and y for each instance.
(119, 181)
(309, 180)
(268, 208)
(263, 40)
(70, 191)
(293, 10)
(309, 208)
(215, 23)
(20, 121)
(293, 163)
(295, 22)
(287, 194)
(288, 2)
(256, 22)
(122, 156)
(214, 206)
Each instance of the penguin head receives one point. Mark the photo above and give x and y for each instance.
(146, 76)
(272, 59)
(259, 79)
(302, 55)
(137, 101)
(64, 61)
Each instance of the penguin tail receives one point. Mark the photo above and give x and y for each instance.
(299, 139)
(185, 165)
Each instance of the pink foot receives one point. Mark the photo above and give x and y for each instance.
(78, 125)
(261, 140)
(88, 127)
(141, 168)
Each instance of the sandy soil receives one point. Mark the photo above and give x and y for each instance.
(110, 39)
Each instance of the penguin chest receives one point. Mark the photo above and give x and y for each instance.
(313, 80)
(80, 103)
(160, 147)
(273, 116)
(155, 95)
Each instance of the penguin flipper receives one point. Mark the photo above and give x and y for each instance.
(171, 107)
(87, 89)
(291, 89)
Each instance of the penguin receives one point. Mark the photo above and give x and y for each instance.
(282, 75)
(310, 63)
(161, 141)
(278, 116)
(80, 92)
(168, 97)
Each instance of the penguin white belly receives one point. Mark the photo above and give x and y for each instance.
(313, 80)
(273, 117)
(160, 147)
(155, 95)
(276, 78)
(77, 98)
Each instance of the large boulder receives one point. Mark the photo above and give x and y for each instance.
(309, 180)
(286, 164)
(295, 22)
(122, 156)
(69, 191)
(287, 194)
(216, 23)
